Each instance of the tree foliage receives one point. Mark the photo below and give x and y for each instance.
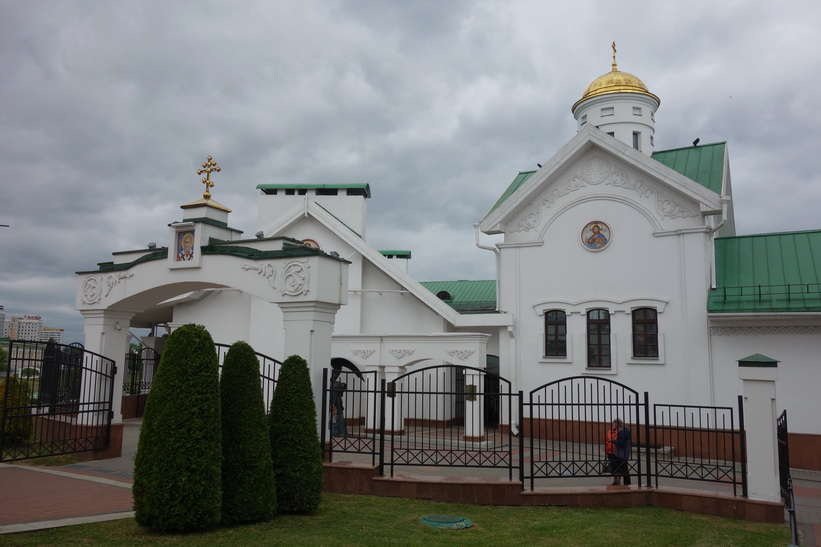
(15, 415)
(295, 448)
(248, 488)
(177, 468)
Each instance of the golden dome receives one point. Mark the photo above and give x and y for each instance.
(615, 82)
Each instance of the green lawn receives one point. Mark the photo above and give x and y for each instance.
(365, 520)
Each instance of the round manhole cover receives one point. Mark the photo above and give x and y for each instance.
(449, 522)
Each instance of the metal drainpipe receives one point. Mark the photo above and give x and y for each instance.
(725, 202)
(495, 251)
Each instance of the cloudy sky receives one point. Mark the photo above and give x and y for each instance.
(109, 107)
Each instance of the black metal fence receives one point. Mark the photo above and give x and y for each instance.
(56, 399)
(140, 368)
(785, 478)
(350, 413)
(449, 415)
(700, 443)
(456, 416)
(566, 423)
(782, 434)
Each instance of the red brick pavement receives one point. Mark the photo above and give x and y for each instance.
(30, 495)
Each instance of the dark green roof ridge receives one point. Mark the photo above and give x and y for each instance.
(317, 186)
(700, 145)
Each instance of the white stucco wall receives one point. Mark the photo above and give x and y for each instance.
(652, 260)
(224, 312)
(797, 347)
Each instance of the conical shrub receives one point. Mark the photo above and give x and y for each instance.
(295, 448)
(16, 415)
(248, 488)
(178, 466)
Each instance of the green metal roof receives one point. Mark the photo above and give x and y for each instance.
(364, 189)
(703, 164)
(466, 296)
(517, 182)
(767, 273)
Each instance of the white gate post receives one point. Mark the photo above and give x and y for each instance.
(106, 333)
(394, 415)
(759, 374)
(308, 329)
(474, 406)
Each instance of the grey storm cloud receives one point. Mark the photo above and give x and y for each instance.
(108, 109)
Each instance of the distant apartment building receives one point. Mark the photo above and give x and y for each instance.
(29, 327)
(51, 333)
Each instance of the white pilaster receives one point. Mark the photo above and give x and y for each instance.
(394, 416)
(308, 330)
(758, 378)
(106, 333)
(474, 406)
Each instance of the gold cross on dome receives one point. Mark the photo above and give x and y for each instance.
(614, 56)
(207, 167)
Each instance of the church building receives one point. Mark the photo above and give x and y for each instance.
(615, 260)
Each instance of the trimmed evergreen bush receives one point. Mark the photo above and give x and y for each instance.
(295, 448)
(17, 421)
(178, 466)
(248, 488)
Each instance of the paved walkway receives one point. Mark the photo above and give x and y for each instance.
(35, 498)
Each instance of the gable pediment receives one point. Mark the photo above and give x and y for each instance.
(595, 164)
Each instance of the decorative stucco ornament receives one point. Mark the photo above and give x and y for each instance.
(401, 353)
(460, 353)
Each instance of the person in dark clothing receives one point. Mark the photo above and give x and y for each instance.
(623, 444)
(338, 426)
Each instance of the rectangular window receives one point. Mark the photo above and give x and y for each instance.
(555, 334)
(637, 140)
(636, 111)
(645, 333)
(584, 119)
(598, 338)
(607, 111)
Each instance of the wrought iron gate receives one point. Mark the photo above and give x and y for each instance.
(566, 423)
(138, 377)
(445, 415)
(56, 400)
(437, 416)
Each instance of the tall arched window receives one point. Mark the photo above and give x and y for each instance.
(555, 334)
(598, 338)
(645, 333)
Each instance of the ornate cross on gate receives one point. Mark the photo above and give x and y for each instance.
(207, 167)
